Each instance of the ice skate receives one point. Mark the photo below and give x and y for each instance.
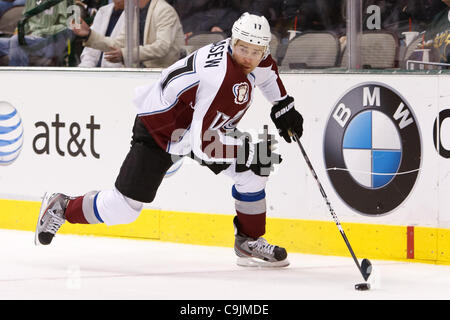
(258, 252)
(51, 217)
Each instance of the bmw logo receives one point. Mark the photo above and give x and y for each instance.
(372, 149)
(11, 133)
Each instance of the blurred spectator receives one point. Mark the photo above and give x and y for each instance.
(7, 4)
(95, 4)
(287, 12)
(160, 36)
(218, 15)
(108, 21)
(213, 20)
(46, 36)
(437, 35)
(308, 15)
(422, 12)
(399, 15)
(90, 8)
(264, 8)
(186, 8)
(260, 7)
(213, 15)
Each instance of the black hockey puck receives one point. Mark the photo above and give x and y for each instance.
(362, 286)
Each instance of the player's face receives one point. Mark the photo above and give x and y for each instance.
(447, 2)
(247, 55)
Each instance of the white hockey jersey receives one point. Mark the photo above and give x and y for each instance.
(200, 98)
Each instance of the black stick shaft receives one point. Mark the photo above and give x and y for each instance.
(333, 214)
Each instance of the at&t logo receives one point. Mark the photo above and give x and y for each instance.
(11, 133)
(372, 149)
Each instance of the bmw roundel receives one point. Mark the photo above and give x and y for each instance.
(372, 148)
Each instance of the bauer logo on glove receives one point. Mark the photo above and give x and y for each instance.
(287, 119)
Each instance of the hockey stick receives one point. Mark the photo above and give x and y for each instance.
(365, 267)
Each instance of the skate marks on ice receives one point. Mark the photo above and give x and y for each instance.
(84, 267)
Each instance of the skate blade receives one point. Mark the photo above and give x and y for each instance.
(43, 208)
(250, 262)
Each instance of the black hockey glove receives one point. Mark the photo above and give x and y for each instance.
(286, 118)
(257, 157)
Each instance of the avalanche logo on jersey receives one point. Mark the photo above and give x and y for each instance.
(241, 91)
(372, 149)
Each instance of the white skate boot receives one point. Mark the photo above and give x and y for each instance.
(257, 252)
(51, 217)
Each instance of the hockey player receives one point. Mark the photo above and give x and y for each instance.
(191, 111)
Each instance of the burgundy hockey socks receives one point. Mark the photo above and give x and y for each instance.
(83, 209)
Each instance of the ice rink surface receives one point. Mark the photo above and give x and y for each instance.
(83, 267)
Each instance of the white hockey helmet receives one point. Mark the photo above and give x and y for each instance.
(252, 29)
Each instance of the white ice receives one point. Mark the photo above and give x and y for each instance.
(85, 267)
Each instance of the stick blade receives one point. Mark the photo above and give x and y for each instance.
(362, 286)
(366, 268)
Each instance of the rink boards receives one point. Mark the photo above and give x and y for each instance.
(380, 144)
